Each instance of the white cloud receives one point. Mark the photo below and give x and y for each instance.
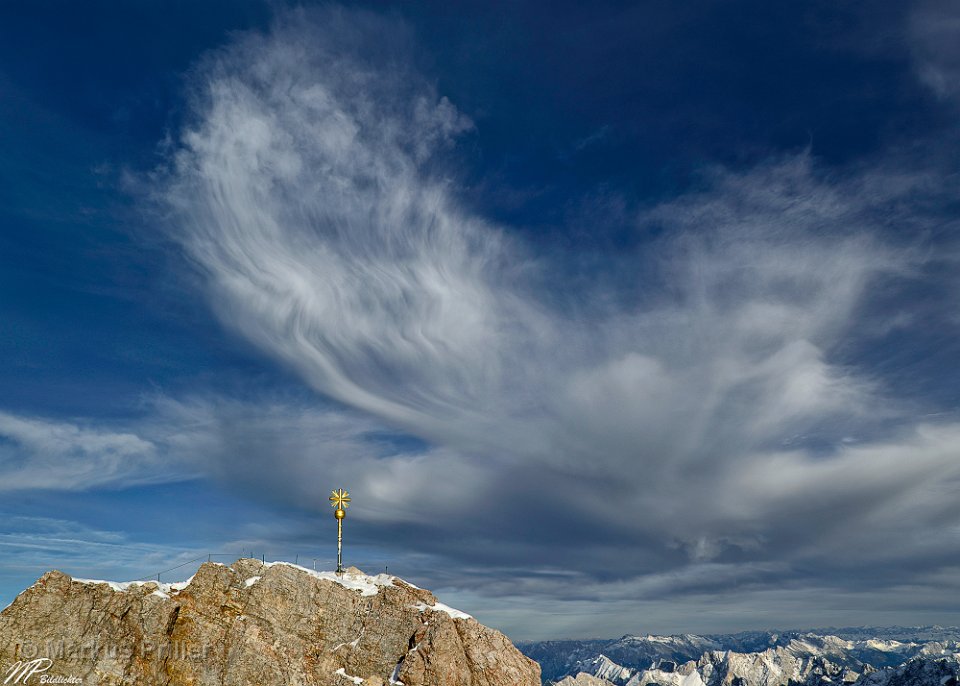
(315, 268)
(32, 545)
(693, 409)
(289, 453)
(934, 33)
(40, 453)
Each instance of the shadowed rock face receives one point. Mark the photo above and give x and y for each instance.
(252, 624)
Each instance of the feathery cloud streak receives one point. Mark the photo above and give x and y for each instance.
(705, 394)
(42, 453)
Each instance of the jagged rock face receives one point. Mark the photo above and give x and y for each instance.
(920, 671)
(773, 667)
(567, 658)
(254, 624)
(583, 679)
(856, 651)
(758, 658)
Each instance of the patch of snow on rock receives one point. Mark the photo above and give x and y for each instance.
(161, 589)
(440, 607)
(355, 679)
(353, 579)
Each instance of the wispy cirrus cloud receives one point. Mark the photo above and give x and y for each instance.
(43, 453)
(31, 545)
(710, 401)
(934, 33)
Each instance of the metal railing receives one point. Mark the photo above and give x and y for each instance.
(369, 565)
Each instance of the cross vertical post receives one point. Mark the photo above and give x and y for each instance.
(339, 546)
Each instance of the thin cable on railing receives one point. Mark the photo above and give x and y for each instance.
(164, 571)
(210, 556)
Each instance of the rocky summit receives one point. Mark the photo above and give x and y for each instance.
(250, 624)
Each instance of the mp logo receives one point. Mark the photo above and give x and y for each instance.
(21, 671)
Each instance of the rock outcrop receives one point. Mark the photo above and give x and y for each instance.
(251, 624)
(583, 679)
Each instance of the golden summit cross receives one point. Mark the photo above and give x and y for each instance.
(340, 499)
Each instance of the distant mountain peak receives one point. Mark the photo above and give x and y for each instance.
(892, 657)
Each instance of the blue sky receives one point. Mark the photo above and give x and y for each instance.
(629, 317)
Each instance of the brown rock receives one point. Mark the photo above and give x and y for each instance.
(252, 624)
(583, 679)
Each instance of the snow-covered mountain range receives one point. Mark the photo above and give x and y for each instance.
(897, 656)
